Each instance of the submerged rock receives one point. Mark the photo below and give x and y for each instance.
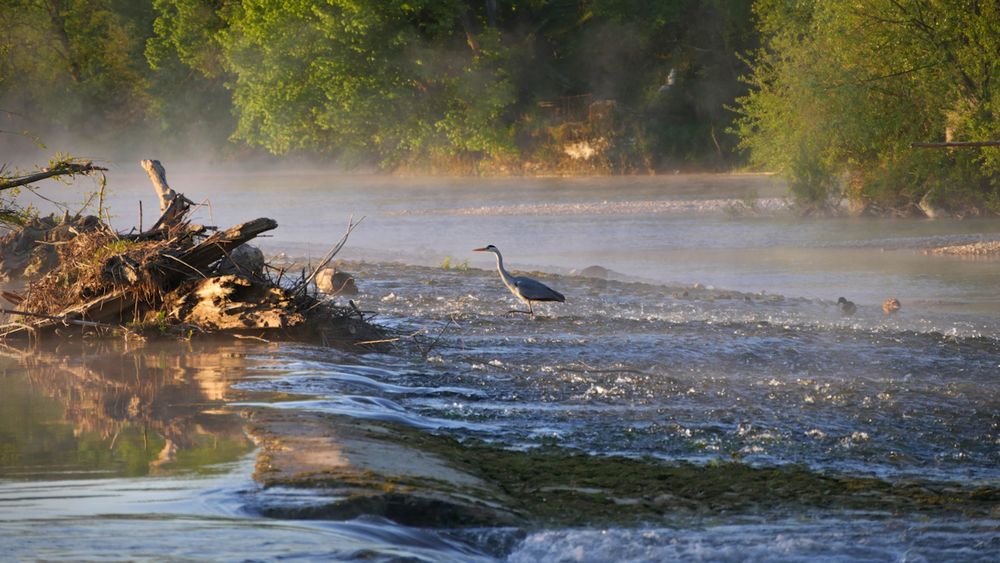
(890, 306)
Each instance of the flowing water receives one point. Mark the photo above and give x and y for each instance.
(714, 336)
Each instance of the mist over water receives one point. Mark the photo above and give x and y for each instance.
(714, 338)
(671, 229)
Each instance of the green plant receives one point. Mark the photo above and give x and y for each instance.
(447, 264)
(161, 322)
(840, 90)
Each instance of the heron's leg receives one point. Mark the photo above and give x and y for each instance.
(520, 312)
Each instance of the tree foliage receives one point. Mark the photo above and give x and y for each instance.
(394, 80)
(834, 91)
(77, 62)
(841, 89)
(389, 82)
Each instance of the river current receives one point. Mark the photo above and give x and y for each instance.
(711, 334)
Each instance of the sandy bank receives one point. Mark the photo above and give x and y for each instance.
(984, 249)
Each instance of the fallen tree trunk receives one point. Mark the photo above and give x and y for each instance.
(103, 312)
(222, 243)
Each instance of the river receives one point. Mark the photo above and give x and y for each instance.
(714, 336)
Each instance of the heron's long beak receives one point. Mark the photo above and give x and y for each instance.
(483, 249)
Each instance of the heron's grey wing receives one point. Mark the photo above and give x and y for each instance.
(536, 290)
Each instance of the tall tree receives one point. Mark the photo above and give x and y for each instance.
(842, 89)
(73, 64)
(193, 108)
(395, 79)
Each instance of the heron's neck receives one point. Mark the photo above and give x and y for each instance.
(500, 268)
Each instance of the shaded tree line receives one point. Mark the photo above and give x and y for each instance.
(454, 85)
(830, 94)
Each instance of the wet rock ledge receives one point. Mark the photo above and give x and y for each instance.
(369, 469)
(421, 479)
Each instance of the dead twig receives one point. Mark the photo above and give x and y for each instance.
(249, 337)
(382, 341)
(63, 319)
(357, 310)
(301, 286)
(426, 352)
(12, 297)
(178, 260)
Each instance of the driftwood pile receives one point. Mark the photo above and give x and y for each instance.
(173, 278)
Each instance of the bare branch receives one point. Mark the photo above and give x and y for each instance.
(61, 169)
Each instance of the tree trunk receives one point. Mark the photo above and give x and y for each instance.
(158, 176)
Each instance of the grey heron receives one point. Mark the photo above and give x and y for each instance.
(524, 288)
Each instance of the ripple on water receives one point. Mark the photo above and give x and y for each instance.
(805, 538)
(691, 373)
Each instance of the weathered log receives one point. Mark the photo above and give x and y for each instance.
(158, 176)
(212, 249)
(62, 319)
(104, 310)
(173, 206)
(236, 303)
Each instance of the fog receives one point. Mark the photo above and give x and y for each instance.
(677, 229)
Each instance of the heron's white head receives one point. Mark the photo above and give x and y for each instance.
(488, 248)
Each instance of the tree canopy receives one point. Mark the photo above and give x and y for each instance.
(840, 91)
(498, 84)
(830, 94)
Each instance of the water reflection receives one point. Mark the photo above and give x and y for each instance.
(108, 408)
(73, 413)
